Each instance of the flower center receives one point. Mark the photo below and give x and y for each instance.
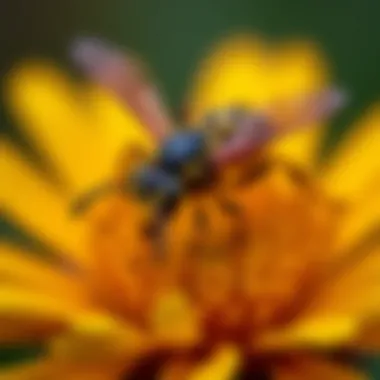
(249, 257)
(246, 254)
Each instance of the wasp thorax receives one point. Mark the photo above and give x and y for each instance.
(221, 125)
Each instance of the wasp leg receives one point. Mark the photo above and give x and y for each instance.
(229, 207)
(82, 203)
(201, 220)
(157, 234)
(201, 225)
(156, 228)
(236, 213)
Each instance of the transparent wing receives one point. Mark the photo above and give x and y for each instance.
(307, 110)
(122, 74)
(254, 130)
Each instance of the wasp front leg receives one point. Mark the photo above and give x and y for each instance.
(86, 200)
(156, 229)
(162, 193)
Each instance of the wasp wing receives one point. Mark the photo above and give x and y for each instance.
(120, 73)
(254, 130)
(306, 110)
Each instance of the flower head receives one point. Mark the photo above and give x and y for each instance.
(274, 268)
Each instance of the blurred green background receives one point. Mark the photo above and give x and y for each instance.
(172, 35)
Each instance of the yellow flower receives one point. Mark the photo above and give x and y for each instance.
(278, 265)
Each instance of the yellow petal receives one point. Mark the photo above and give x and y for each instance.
(318, 332)
(352, 288)
(40, 370)
(357, 181)
(314, 368)
(175, 322)
(20, 269)
(118, 127)
(99, 338)
(27, 315)
(222, 365)
(50, 368)
(362, 218)
(299, 147)
(233, 74)
(55, 115)
(341, 309)
(27, 197)
(355, 166)
(298, 69)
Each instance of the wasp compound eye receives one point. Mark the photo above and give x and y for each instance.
(180, 150)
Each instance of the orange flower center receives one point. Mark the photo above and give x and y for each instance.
(247, 255)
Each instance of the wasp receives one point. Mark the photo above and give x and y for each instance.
(187, 159)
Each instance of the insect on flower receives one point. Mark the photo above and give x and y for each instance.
(188, 159)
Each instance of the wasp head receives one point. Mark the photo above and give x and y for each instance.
(221, 125)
